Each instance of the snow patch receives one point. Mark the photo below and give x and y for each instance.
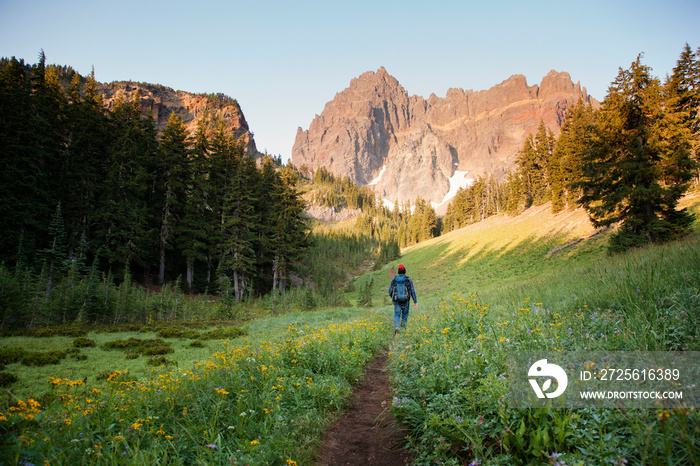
(379, 177)
(457, 181)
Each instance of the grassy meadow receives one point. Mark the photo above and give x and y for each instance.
(264, 397)
(263, 391)
(527, 283)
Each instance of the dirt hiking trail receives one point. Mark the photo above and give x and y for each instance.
(367, 433)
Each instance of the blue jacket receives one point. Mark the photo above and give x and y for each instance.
(410, 285)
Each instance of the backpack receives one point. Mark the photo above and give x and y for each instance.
(402, 292)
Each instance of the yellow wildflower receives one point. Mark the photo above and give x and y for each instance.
(221, 391)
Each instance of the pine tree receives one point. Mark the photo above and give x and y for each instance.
(683, 95)
(174, 170)
(365, 295)
(85, 159)
(55, 256)
(639, 164)
(32, 106)
(20, 177)
(565, 165)
(290, 236)
(513, 190)
(544, 145)
(240, 221)
(48, 128)
(193, 229)
(269, 193)
(123, 206)
(529, 171)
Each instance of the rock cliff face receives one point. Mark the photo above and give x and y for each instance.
(406, 146)
(160, 102)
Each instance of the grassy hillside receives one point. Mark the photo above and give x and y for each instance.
(538, 282)
(536, 255)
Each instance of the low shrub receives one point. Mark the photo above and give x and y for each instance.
(11, 355)
(72, 331)
(157, 349)
(64, 331)
(158, 361)
(83, 342)
(115, 376)
(122, 344)
(43, 358)
(135, 346)
(7, 379)
(223, 333)
(45, 332)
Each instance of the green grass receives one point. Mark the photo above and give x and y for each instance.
(494, 288)
(499, 252)
(264, 398)
(32, 380)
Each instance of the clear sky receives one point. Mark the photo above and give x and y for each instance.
(283, 60)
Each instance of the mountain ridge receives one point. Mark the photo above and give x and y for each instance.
(161, 101)
(408, 146)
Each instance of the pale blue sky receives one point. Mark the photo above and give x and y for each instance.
(284, 60)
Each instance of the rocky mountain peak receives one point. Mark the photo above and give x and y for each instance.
(405, 147)
(560, 83)
(160, 102)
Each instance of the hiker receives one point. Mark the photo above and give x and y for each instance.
(401, 291)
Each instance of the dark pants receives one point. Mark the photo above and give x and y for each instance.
(401, 313)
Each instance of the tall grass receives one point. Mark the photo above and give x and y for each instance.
(508, 285)
(260, 403)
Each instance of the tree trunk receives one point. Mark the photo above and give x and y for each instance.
(275, 271)
(283, 280)
(190, 273)
(161, 269)
(236, 291)
(164, 233)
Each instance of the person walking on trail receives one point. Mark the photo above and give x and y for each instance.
(401, 291)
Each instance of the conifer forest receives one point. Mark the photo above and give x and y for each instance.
(91, 195)
(95, 196)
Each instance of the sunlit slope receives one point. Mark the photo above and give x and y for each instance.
(494, 253)
(506, 258)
